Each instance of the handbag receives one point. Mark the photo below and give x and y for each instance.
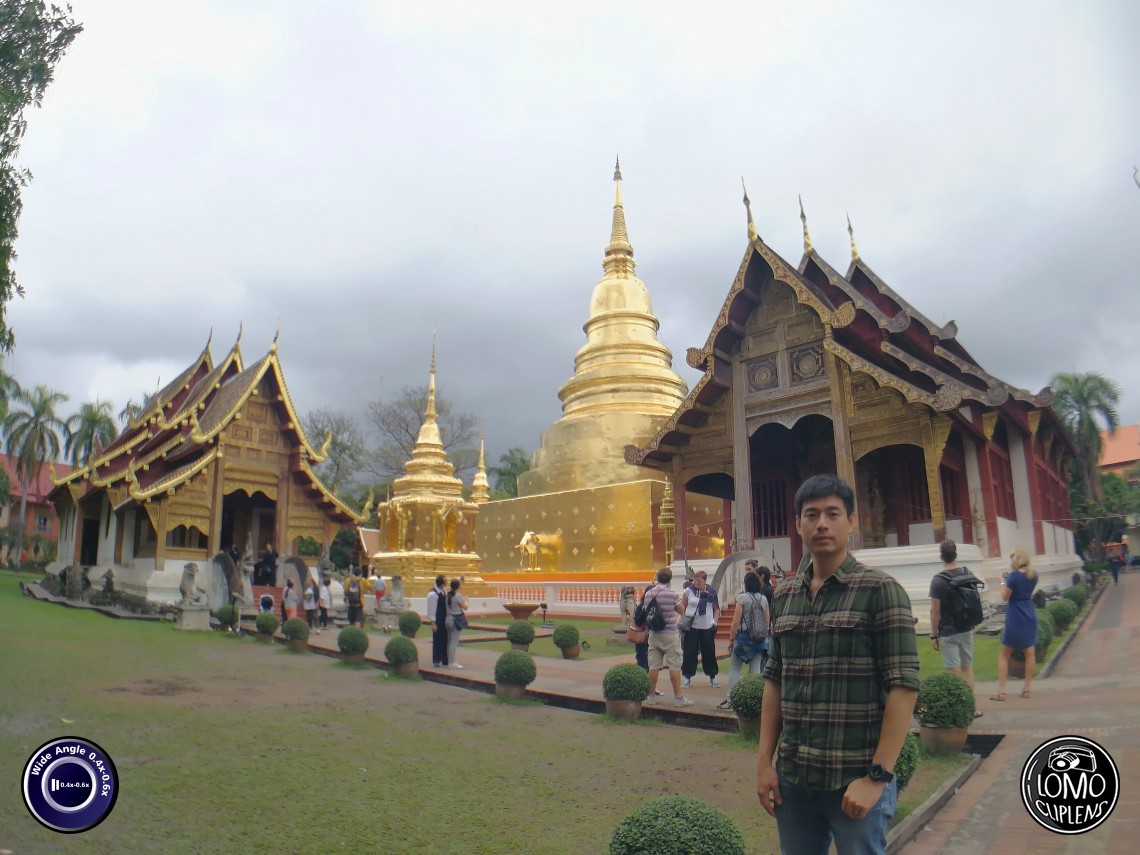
(460, 620)
(685, 623)
(637, 634)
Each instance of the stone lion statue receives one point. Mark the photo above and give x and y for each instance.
(626, 605)
(192, 595)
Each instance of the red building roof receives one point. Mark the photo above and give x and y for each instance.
(1121, 448)
(38, 491)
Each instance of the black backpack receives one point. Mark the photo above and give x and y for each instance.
(963, 600)
(654, 617)
(353, 591)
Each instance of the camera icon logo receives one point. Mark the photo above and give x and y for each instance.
(1071, 759)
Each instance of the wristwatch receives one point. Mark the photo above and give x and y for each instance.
(878, 772)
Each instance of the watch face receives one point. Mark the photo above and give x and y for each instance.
(878, 772)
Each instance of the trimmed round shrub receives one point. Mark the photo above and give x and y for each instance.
(400, 651)
(1046, 631)
(565, 636)
(907, 763)
(520, 632)
(1078, 594)
(1062, 611)
(677, 825)
(746, 695)
(626, 682)
(409, 623)
(296, 629)
(227, 615)
(267, 623)
(516, 668)
(352, 640)
(1039, 600)
(1095, 566)
(944, 700)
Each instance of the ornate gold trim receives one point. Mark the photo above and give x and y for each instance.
(989, 424)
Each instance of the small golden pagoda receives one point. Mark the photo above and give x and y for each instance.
(427, 528)
(582, 507)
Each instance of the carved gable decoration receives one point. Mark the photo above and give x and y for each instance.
(763, 374)
(807, 363)
(256, 411)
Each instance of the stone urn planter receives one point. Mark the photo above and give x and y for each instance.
(510, 690)
(942, 740)
(353, 658)
(567, 640)
(403, 657)
(572, 651)
(521, 611)
(514, 671)
(406, 669)
(520, 634)
(298, 645)
(748, 726)
(624, 709)
(1016, 668)
(409, 623)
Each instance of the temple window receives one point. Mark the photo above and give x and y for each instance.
(183, 537)
(917, 495)
(145, 539)
(770, 508)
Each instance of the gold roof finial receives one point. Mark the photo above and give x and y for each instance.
(851, 233)
(752, 235)
(276, 335)
(803, 219)
(430, 413)
(619, 253)
(480, 488)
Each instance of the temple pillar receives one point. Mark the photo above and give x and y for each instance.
(281, 517)
(680, 498)
(160, 536)
(214, 543)
(989, 500)
(1035, 504)
(77, 538)
(741, 464)
(934, 435)
(1022, 494)
(838, 380)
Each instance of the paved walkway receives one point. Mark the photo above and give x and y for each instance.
(1093, 692)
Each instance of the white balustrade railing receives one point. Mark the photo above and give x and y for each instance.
(602, 597)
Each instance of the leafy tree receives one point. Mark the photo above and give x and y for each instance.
(344, 547)
(8, 384)
(92, 424)
(33, 38)
(1085, 402)
(33, 433)
(512, 464)
(397, 424)
(348, 450)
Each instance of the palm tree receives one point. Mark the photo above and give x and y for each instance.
(512, 464)
(8, 389)
(92, 424)
(33, 433)
(1084, 402)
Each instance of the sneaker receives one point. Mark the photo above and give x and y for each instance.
(682, 702)
(658, 693)
(723, 705)
(685, 683)
(651, 697)
(456, 665)
(714, 683)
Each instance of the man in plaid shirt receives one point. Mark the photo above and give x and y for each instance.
(840, 687)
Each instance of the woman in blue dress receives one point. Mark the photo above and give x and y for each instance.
(1020, 620)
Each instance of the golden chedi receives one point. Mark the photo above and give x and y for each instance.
(581, 507)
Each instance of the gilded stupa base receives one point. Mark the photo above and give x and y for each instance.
(419, 569)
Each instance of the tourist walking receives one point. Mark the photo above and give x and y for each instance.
(378, 587)
(700, 609)
(641, 648)
(354, 598)
(748, 635)
(1115, 562)
(1020, 620)
(952, 633)
(310, 601)
(437, 617)
(456, 621)
(663, 603)
(324, 600)
(840, 687)
(289, 601)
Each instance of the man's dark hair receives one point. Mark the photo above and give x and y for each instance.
(765, 574)
(822, 486)
(439, 580)
(752, 583)
(948, 551)
(751, 562)
(664, 576)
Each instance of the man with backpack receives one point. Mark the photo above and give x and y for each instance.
(662, 605)
(955, 609)
(354, 598)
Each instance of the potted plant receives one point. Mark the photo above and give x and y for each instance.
(745, 698)
(409, 624)
(228, 616)
(520, 634)
(566, 639)
(514, 671)
(677, 824)
(1077, 593)
(402, 655)
(296, 632)
(266, 624)
(624, 688)
(944, 709)
(353, 642)
(1063, 611)
(907, 763)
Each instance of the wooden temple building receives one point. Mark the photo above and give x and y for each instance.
(218, 457)
(808, 370)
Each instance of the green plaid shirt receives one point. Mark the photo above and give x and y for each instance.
(835, 659)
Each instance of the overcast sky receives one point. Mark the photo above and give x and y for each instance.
(361, 171)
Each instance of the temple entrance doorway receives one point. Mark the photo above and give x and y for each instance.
(249, 521)
(89, 544)
(894, 497)
(781, 460)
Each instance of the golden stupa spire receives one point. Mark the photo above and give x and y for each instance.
(480, 488)
(619, 253)
(851, 233)
(803, 219)
(752, 235)
(430, 413)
